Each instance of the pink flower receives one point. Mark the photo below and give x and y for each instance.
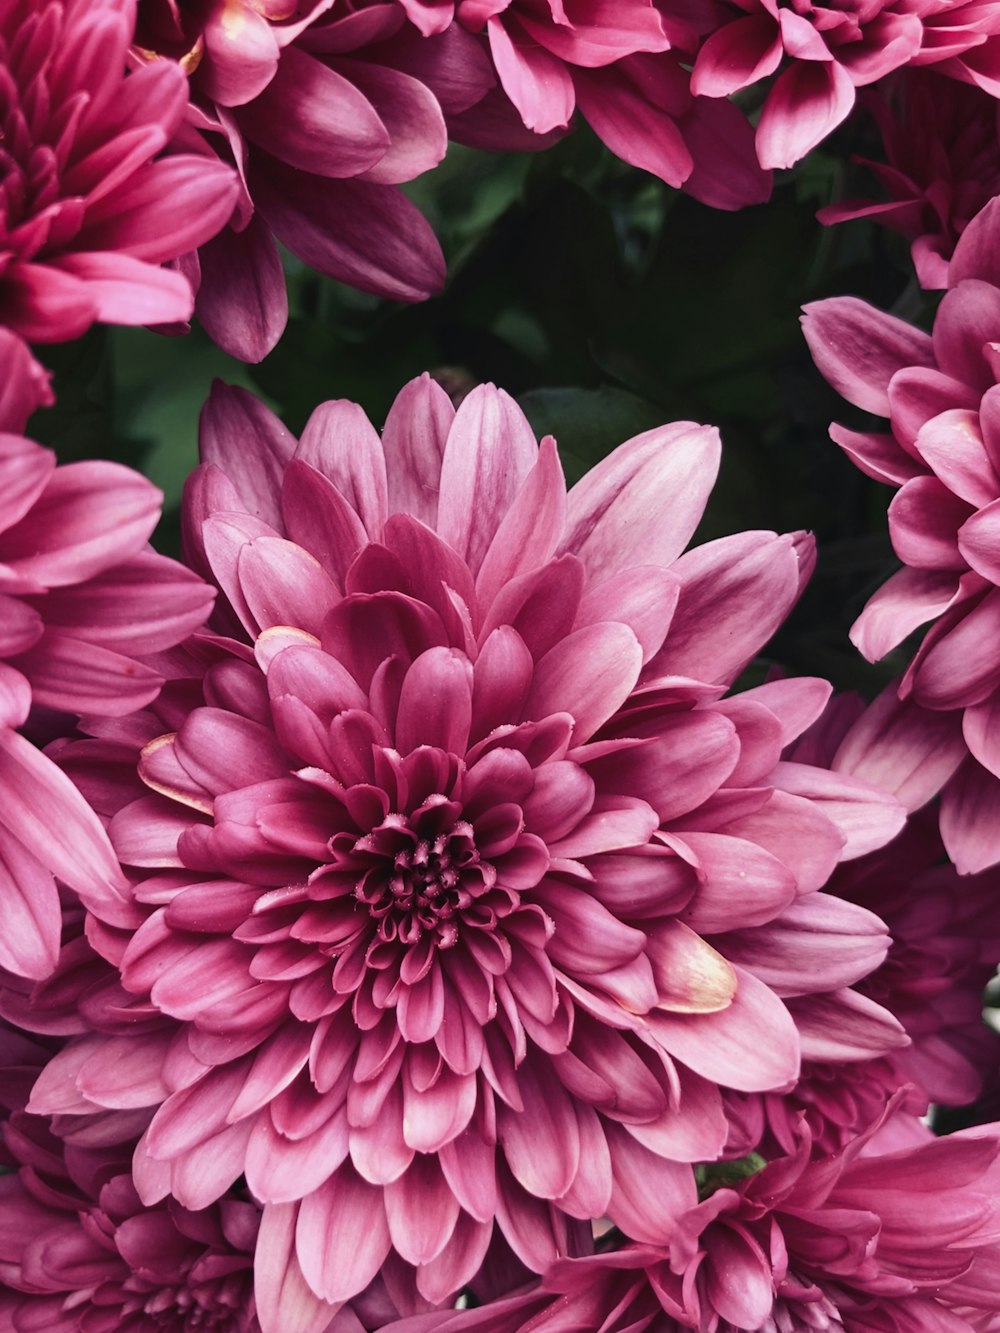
(940, 394)
(91, 206)
(897, 1242)
(79, 1250)
(942, 167)
(461, 890)
(82, 599)
(829, 52)
(326, 109)
(621, 67)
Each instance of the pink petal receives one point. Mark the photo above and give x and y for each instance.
(313, 118)
(490, 451)
(588, 675)
(250, 445)
(858, 349)
(369, 236)
(43, 809)
(342, 1236)
(906, 601)
(414, 440)
(283, 1298)
(640, 505)
(536, 82)
(31, 913)
(807, 101)
(751, 1045)
(340, 442)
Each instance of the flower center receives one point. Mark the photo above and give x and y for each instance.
(421, 874)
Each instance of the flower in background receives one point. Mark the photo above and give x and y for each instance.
(941, 395)
(853, 1242)
(82, 599)
(823, 54)
(486, 887)
(79, 1250)
(325, 109)
(624, 69)
(942, 165)
(93, 201)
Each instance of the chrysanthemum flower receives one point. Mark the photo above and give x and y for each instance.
(79, 1251)
(91, 207)
(903, 1242)
(823, 54)
(81, 599)
(942, 165)
(940, 393)
(623, 68)
(461, 890)
(326, 110)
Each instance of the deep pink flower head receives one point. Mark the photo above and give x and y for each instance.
(91, 207)
(621, 66)
(823, 53)
(941, 395)
(326, 108)
(942, 165)
(904, 1242)
(81, 599)
(79, 1251)
(461, 889)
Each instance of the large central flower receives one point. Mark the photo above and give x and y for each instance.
(455, 876)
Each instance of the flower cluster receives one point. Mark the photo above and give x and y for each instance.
(420, 907)
(939, 392)
(96, 192)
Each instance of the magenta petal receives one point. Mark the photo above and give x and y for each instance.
(410, 111)
(858, 349)
(818, 943)
(733, 870)
(90, 516)
(85, 678)
(844, 1025)
(241, 302)
(130, 291)
(752, 1045)
(735, 592)
(250, 445)
(969, 826)
(369, 236)
(632, 123)
(649, 1194)
(29, 911)
(414, 439)
(45, 811)
(530, 530)
(490, 451)
(536, 82)
(807, 101)
(421, 1211)
(737, 55)
(906, 601)
(284, 585)
(589, 674)
(340, 442)
(867, 817)
(903, 749)
(640, 505)
(975, 254)
(979, 541)
(342, 1236)
(283, 1297)
(313, 118)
